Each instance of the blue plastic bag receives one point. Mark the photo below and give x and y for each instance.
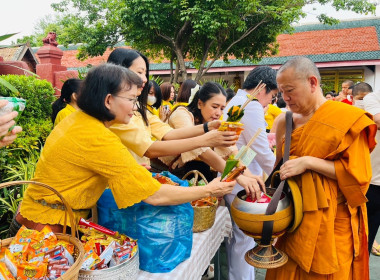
(164, 233)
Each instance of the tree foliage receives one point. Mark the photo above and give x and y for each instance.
(196, 30)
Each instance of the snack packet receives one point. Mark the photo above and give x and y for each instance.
(90, 259)
(58, 253)
(35, 270)
(5, 273)
(21, 241)
(264, 199)
(57, 271)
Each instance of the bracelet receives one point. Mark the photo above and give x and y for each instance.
(205, 127)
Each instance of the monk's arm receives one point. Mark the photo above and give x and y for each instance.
(376, 118)
(299, 165)
(322, 166)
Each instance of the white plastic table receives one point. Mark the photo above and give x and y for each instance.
(205, 246)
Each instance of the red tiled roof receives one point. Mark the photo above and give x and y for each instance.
(360, 39)
(69, 59)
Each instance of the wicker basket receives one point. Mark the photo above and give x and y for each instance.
(204, 216)
(72, 273)
(125, 271)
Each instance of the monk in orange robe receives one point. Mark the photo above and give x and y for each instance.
(330, 161)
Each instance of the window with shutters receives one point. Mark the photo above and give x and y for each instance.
(333, 79)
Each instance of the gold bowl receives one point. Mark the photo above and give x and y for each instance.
(263, 255)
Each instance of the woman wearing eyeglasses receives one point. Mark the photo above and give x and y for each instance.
(82, 156)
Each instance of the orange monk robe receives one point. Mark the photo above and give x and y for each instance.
(331, 242)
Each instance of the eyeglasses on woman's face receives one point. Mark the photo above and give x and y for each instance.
(133, 100)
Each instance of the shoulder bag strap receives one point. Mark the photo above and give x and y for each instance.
(272, 206)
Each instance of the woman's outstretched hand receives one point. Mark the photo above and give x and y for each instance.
(253, 185)
(217, 138)
(219, 189)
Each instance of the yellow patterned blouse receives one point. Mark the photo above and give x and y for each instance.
(68, 110)
(136, 136)
(81, 157)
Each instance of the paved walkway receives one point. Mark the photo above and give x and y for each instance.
(374, 265)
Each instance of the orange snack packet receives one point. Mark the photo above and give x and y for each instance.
(68, 246)
(2, 252)
(5, 273)
(47, 234)
(34, 270)
(89, 246)
(21, 241)
(45, 241)
(90, 259)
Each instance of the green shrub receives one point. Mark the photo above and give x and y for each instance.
(35, 120)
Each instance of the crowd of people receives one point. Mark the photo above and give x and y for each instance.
(115, 125)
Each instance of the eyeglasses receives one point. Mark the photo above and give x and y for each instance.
(133, 100)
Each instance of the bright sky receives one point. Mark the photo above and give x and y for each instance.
(23, 15)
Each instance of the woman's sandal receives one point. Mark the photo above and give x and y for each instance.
(375, 250)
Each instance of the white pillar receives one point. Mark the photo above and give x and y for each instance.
(376, 84)
(369, 76)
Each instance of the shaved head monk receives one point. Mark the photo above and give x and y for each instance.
(330, 161)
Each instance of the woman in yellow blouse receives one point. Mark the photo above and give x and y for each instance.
(168, 92)
(67, 102)
(137, 135)
(82, 156)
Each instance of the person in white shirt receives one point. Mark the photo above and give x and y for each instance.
(264, 161)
